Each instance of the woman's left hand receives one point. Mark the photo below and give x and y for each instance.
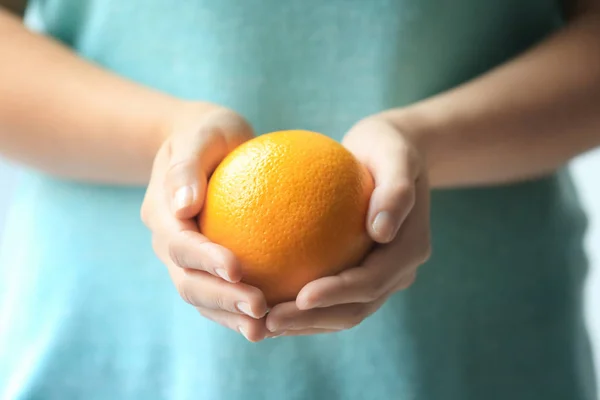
(398, 220)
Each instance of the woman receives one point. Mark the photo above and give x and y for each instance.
(464, 114)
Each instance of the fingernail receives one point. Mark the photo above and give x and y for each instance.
(282, 326)
(243, 332)
(183, 197)
(272, 327)
(277, 335)
(223, 274)
(245, 308)
(383, 225)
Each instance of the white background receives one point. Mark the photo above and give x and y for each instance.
(587, 174)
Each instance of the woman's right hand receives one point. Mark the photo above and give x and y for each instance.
(205, 274)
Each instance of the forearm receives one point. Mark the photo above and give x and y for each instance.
(68, 117)
(521, 120)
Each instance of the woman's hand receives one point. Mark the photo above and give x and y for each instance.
(398, 220)
(206, 275)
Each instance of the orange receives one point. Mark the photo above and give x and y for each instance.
(291, 205)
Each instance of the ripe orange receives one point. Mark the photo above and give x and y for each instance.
(292, 206)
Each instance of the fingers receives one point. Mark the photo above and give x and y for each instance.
(394, 165)
(389, 206)
(356, 285)
(178, 241)
(287, 317)
(192, 250)
(206, 291)
(303, 332)
(195, 151)
(186, 184)
(253, 330)
(383, 269)
(205, 274)
(288, 320)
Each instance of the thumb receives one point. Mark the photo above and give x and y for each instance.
(393, 165)
(194, 154)
(391, 202)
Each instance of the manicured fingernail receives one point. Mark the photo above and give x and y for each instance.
(245, 308)
(223, 274)
(243, 332)
(184, 197)
(384, 226)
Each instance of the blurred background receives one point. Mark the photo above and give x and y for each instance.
(586, 170)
